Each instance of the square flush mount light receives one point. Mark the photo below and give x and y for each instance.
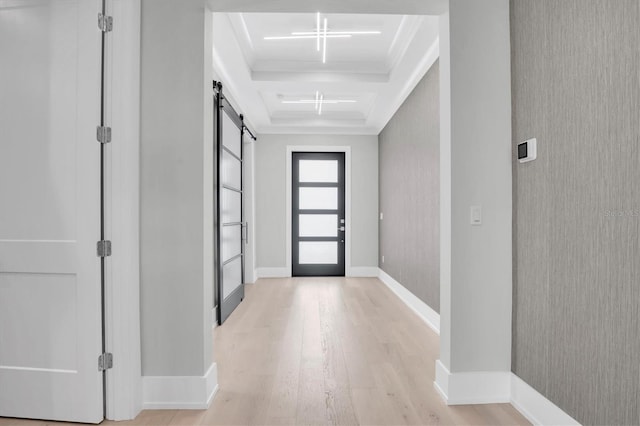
(321, 34)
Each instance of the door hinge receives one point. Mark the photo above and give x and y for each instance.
(103, 134)
(104, 248)
(105, 23)
(105, 361)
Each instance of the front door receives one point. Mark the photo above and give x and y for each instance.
(318, 214)
(50, 278)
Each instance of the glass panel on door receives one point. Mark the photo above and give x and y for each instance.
(318, 213)
(230, 242)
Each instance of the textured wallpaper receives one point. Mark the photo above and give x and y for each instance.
(409, 167)
(576, 317)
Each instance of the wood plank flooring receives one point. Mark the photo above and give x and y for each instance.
(324, 351)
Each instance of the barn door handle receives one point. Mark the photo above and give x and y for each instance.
(245, 228)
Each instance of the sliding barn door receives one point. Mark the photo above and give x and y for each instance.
(50, 274)
(231, 226)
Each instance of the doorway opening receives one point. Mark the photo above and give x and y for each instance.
(318, 214)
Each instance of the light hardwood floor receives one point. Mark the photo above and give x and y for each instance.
(315, 351)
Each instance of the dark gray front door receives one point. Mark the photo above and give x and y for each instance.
(318, 213)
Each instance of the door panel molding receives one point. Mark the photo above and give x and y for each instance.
(50, 298)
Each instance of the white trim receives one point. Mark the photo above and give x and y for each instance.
(476, 387)
(214, 321)
(424, 311)
(426, 62)
(488, 387)
(124, 382)
(347, 171)
(249, 200)
(535, 407)
(180, 392)
(253, 278)
(272, 273)
(362, 272)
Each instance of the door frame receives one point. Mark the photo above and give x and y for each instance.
(122, 294)
(347, 198)
(338, 269)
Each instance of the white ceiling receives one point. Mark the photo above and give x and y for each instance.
(364, 80)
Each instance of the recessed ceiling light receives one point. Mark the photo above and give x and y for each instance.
(317, 32)
(321, 33)
(324, 47)
(319, 101)
(326, 101)
(330, 33)
(297, 37)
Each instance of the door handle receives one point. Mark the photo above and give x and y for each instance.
(245, 228)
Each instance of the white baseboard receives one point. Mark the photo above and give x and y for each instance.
(363, 272)
(490, 387)
(214, 319)
(180, 392)
(535, 407)
(428, 315)
(252, 276)
(476, 387)
(272, 273)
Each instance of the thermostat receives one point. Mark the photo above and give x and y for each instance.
(527, 151)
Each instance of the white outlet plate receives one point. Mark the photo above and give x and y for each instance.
(476, 215)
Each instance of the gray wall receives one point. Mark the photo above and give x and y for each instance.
(409, 192)
(176, 333)
(270, 198)
(577, 282)
(475, 169)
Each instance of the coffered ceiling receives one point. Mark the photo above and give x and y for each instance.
(321, 73)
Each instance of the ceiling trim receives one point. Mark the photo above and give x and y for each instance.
(395, 7)
(243, 37)
(427, 61)
(255, 90)
(405, 35)
(319, 77)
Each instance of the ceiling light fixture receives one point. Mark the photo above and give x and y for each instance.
(323, 34)
(302, 37)
(319, 101)
(324, 48)
(301, 33)
(317, 32)
(326, 101)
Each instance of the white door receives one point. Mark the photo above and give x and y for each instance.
(50, 294)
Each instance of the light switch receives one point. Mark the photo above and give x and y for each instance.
(381, 216)
(476, 215)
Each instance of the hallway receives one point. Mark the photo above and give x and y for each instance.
(328, 351)
(324, 351)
